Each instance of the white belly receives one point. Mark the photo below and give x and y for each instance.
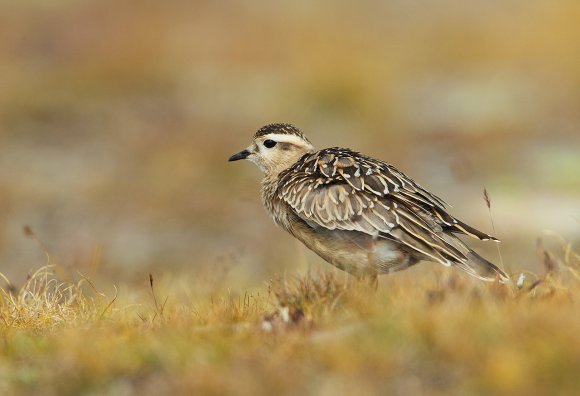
(355, 252)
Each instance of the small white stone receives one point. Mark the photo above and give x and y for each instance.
(267, 326)
(285, 314)
(520, 281)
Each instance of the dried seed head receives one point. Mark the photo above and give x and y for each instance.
(487, 199)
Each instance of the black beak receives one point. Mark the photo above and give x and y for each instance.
(240, 156)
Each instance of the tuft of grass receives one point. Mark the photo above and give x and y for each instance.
(46, 303)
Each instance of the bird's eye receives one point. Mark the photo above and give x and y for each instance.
(269, 143)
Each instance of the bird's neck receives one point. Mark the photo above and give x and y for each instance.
(276, 207)
(269, 187)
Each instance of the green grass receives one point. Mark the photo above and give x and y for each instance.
(420, 333)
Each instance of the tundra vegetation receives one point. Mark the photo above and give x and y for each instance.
(423, 332)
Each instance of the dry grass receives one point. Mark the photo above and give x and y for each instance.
(319, 334)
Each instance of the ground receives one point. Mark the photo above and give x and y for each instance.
(422, 332)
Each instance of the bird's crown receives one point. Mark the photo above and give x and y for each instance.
(280, 128)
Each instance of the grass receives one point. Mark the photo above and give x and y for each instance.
(420, 333)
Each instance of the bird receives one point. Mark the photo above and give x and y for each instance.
(358, 213)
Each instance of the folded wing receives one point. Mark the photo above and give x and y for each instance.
(342, 189)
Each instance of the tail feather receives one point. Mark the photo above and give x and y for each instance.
(473, 263)
(482, 269)
(466, 229)
(456, 226)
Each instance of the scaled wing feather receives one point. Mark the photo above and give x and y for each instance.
(341, 189)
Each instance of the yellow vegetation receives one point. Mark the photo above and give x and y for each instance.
(438, 333)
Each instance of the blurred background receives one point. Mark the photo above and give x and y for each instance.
(117, 119)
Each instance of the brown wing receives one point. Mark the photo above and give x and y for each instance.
(341, 189)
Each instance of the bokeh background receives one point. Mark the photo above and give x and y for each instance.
(117, 118)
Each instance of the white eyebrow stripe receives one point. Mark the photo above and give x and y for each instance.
(284, 138)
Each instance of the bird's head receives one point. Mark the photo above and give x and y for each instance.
(275, 147)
